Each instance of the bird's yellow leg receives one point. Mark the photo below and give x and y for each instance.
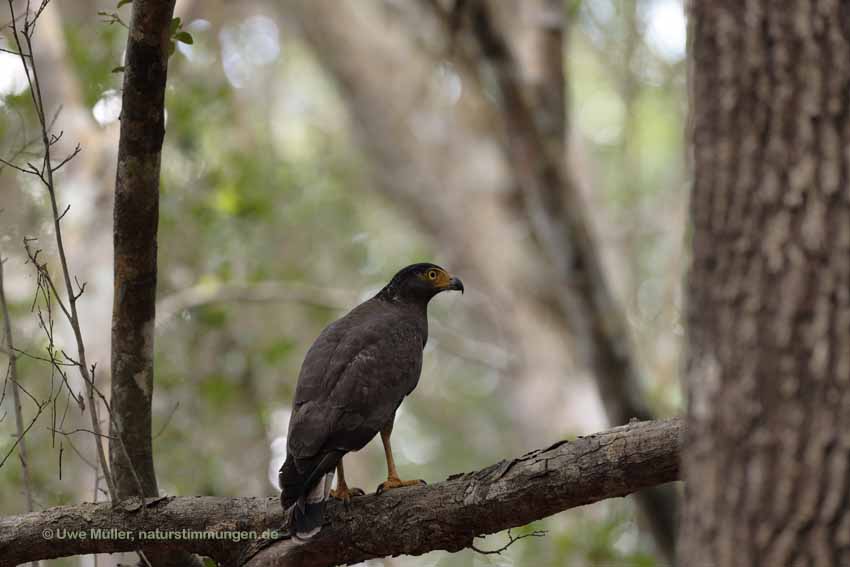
(342, 491)
(393, 481)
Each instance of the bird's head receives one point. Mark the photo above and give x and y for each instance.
(418, 283)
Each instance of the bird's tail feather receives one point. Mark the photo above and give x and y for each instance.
(305, 494)
(298, 478)
(308, 511)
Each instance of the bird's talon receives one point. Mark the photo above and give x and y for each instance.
(392, 483)
(346, 494)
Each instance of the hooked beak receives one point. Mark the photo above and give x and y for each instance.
(455, 284)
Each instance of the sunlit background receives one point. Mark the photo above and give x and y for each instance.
(276, 217)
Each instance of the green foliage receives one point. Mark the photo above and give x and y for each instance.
(184, 37)
(178, 34)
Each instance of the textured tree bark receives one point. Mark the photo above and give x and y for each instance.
(446, 515)
(136, 218)
(768, 363)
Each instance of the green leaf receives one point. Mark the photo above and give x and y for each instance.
(184, 37)
(118, 69)
(176, 24)
(121, 3)
(171, 46)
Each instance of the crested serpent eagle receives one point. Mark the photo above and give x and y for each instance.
(351, 383)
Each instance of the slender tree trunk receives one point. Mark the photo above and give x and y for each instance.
(768, 363)
(136, 218)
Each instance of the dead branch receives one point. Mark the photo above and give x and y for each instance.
(511, 540)
(446, 515)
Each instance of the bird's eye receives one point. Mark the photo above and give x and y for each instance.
(432, 274)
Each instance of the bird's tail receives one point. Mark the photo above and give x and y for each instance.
(306, 497)
(309, 509)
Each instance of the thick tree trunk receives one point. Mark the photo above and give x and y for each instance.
(768, 365)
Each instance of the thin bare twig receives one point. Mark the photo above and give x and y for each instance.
(21, 437)
(20, 386)
(511, 540)
(45, 173)
(82, 457)
(13, 166)
(167, 420)
(16, 396)
(13, 52)
(110, 18)
(78, 430)
(70, 156)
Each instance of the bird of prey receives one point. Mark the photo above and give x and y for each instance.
(351, 383)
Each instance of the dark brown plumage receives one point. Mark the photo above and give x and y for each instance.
(351, 383)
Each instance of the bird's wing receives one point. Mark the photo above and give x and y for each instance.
(352, 381)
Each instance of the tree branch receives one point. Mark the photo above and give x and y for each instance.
(446, 515)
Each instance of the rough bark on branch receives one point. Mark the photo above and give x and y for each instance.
(446, 515)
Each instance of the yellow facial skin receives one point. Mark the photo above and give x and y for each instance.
(441, 279)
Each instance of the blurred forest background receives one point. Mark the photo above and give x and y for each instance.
(280, 210)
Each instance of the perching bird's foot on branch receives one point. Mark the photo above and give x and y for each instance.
(345, 493)
(342, 490)
(395, 482)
